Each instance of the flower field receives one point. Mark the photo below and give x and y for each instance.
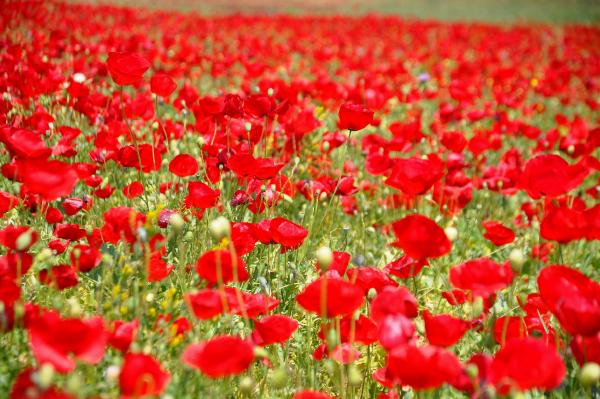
(304, 207)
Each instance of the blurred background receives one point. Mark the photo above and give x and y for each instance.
(555, 11)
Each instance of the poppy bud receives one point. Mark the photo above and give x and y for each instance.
(372, 293)
(279, 378)
(451, 233)
(142, 234)
(261, 352)
(326, 146)
(589, 374)
(177, 222)
(516, 260)
(246, 385)
(472, 371)
(45, 375)
(112, 373)
(43, 255)
(79, 77)
(220, 228)
(188, 236)
(248, 126)
(23, 241)
(74, 307)
(329, 366)
(74, 383)
(355, 377)
(332, 338)
(477, 307)
(324, 257)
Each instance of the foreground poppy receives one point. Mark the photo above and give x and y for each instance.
(330, 297)
(517, 365)
(141, 375)
(572, 297)
(60, 341)
(221, 266)
(423, 367)
(126, 68)
(420, 237)
(220, 356)
(354, 116)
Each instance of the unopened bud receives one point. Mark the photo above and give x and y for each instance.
(220, 228)
(324, 257)
(177, 222)
(589, 374)
(516, 260)
(279, 378)
(45, 376)
(24, 240)
(246, 385)
(355, 377)
(451, 233)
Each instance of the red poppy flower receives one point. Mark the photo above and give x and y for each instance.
(423, 367)
(206, 303)
(7, 202)
(420, 237)
(572, 297)
(405, 267)
(518, 365)
(563, 224)
(141, 375)
(369, 277)
(49, 179)
(286, 233)
(273, 329)
(133, 190)
(311, 395)
(345, 353)
(221, 356)
(414, 176)
(392, 301)
(162, 85)
(201, 196)
(354, 116)
(444, 330)
(10, 234)
(183, 165)
(24, 143)
(158, 269)
(126, 68)
(69, 231)
(221, 265)
(481, 276)
(123, 334)
(395, 330)
(144, 157)
(497, 233)
(586, 349)
(330, 297)
(59, 276)
(61, 342)
(84, 258)
(27, 387)
(121, 223)
(340, 262)
(549, 175)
